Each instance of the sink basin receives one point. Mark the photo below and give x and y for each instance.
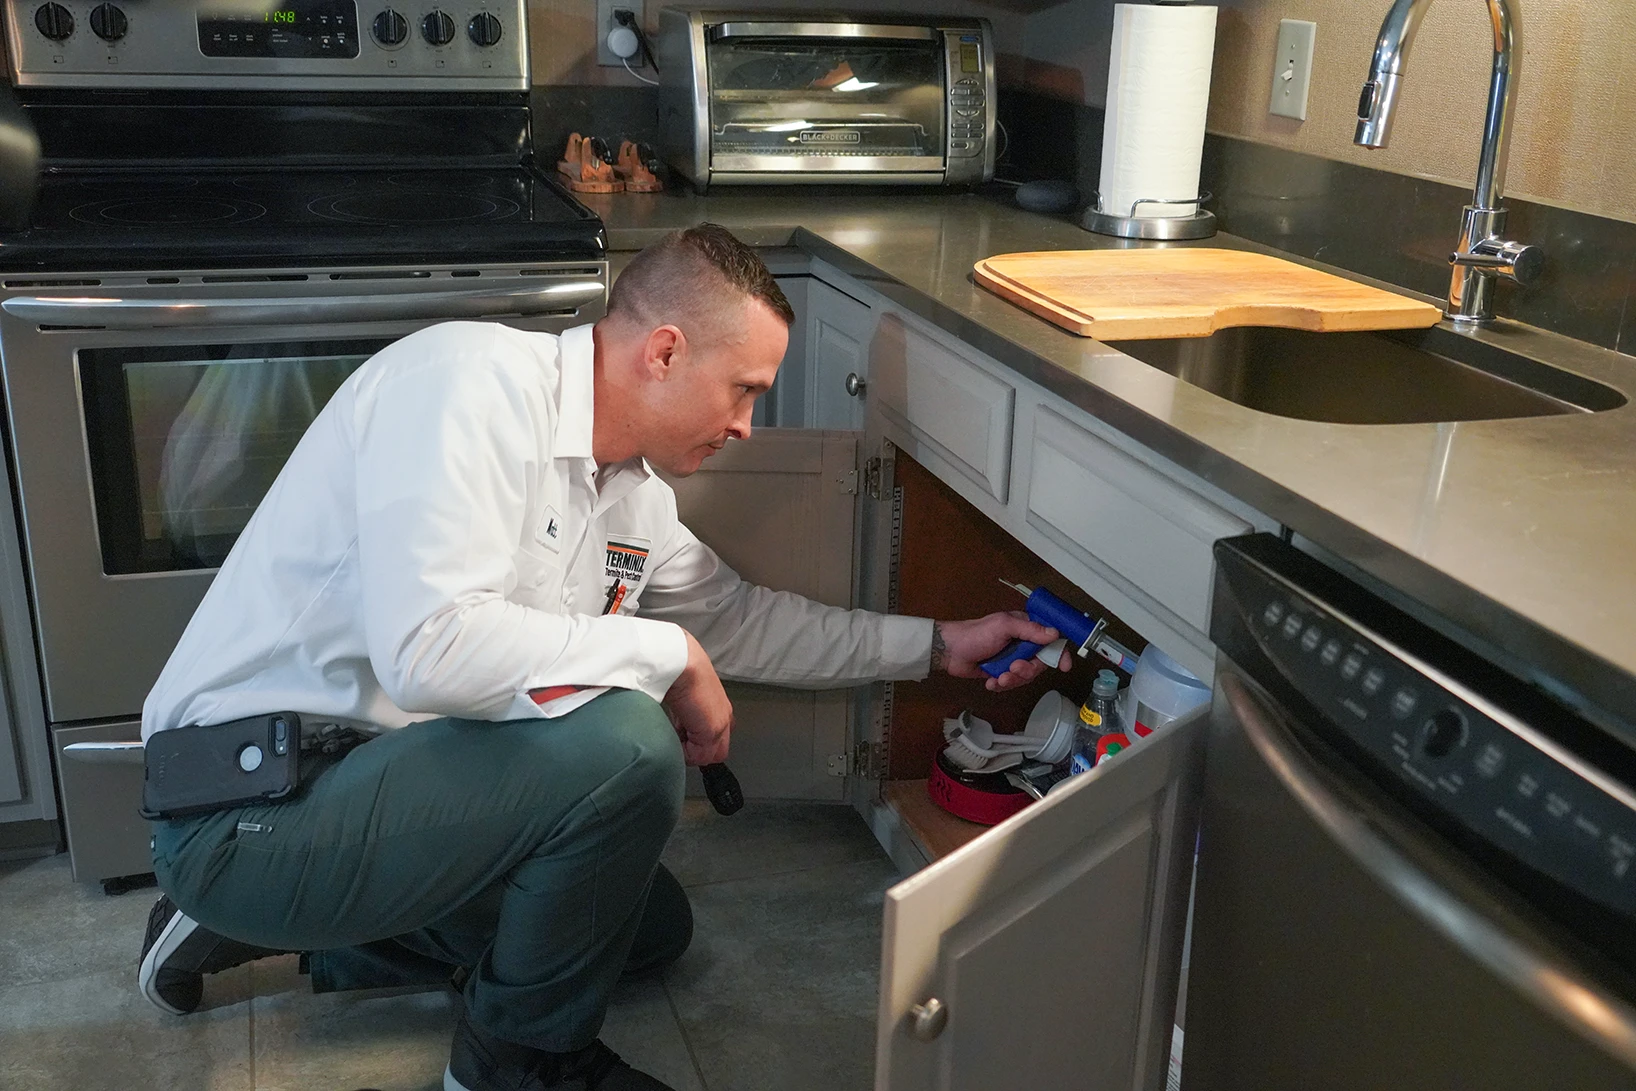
(1407, 377)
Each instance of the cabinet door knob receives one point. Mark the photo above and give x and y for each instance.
(854, 385)
(928, 1020)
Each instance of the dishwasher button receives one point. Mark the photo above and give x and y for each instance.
(1373, 681)
(1331, 652)
(1351, 666)
(1403, 702)
(1442, 733)
(1292, 626)
(1274, 613)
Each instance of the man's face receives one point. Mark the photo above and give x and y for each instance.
(709, 398)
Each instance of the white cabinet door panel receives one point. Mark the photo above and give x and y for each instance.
(838, 332)
(1108, 507)
(963, 410)
(1053, 941)
(778, 509)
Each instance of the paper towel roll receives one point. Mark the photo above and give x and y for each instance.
(1158, 94)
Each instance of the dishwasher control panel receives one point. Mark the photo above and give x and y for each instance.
(1505, 780)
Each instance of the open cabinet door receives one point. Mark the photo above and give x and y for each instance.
(779, 508)
(1046, 953)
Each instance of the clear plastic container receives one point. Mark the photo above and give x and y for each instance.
(1161, 690)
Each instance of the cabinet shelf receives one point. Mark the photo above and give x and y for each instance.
(936, 831)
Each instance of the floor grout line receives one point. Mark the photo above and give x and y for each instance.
(687, 1043)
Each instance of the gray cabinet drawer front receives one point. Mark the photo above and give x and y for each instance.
(1112, 508)
(959, 407)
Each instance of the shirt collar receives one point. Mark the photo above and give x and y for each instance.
(576, 363)
(576, 407)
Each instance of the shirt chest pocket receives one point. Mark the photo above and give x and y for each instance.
(539, 580)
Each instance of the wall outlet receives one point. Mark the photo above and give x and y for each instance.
(1292, 68)
(605, 22)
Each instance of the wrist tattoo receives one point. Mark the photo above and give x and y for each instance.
(940, 650)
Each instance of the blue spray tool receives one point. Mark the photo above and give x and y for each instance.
(1084, 633)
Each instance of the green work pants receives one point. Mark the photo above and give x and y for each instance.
(524, 850)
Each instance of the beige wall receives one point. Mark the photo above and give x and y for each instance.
(1574, 140)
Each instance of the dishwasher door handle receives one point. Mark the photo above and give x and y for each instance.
(1547, 981)
(141, 314)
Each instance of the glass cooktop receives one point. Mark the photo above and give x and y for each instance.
(204, 219)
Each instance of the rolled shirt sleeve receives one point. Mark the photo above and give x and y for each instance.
(446, 449)
(754, 634)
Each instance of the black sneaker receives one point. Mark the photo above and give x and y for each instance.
(478, 1061)
(178, 951)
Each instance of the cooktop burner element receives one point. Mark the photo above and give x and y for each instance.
(206, 219)
(168, 211)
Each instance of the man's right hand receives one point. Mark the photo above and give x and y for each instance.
(699, 708)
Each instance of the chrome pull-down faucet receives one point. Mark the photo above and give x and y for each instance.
(1483, 254)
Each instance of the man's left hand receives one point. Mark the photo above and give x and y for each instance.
(960, 647)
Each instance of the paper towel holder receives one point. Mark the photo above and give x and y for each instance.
(1199, 224)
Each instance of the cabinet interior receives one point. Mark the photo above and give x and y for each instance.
(950, 564)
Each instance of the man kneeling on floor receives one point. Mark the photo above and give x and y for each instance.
(469, 562)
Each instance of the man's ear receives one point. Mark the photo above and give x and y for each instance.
(665, 350)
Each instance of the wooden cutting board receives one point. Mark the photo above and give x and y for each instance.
(1133, 295)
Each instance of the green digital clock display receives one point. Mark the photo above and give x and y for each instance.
(282, 16)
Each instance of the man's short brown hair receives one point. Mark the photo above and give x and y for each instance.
(690, 279)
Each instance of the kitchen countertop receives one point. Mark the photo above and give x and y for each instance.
(1522, 532)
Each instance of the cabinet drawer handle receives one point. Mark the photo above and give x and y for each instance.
(854, 385)
(929, 1019)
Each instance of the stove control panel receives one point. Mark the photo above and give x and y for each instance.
(333, 45)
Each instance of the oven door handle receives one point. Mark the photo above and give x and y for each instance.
(1548, 982)
(724, 31)
(139, 314)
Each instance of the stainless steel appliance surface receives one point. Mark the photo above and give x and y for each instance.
(224, 231)
(1414, 870)
(750, 97)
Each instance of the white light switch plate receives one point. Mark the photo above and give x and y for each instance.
(1292, 68)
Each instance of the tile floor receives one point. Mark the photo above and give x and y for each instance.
(777, 992)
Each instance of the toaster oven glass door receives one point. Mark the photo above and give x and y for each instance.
(804, 103)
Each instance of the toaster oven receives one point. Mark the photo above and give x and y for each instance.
(794, 97)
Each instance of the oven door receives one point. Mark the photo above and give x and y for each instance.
(147, 421)
(826, 98)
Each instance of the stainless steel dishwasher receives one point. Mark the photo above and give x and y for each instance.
(1415, 871)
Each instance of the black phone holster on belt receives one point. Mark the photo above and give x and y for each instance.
(195, 770)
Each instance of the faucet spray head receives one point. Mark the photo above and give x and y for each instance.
(1375, 108)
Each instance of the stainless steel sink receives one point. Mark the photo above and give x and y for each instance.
(1407, 377)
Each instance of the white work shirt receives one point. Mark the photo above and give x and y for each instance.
(438, 545)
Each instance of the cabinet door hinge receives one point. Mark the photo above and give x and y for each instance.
(871, 477)
(848, 482)
(868, 759)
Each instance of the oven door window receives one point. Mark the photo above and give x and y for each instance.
(184, 442)
(838, 98)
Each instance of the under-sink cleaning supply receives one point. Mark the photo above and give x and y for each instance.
(1098, 716)
(1161, 690)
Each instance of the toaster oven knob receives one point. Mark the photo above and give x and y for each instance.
(484, 29)
(437, 28)
(54, 21)
(390, 28)
(108, 22)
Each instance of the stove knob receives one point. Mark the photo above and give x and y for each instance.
(437, 28)
(391, 28)
(484, 29)
(108, 22)
(54, 21)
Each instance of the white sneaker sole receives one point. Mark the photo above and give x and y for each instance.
(177, 930)
(452, 1084)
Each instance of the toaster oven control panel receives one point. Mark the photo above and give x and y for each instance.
(308, 45)
(968, 105)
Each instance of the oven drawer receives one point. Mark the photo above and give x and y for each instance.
(107, 838)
